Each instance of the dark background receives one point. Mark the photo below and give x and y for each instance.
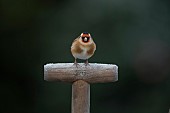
(133, 34)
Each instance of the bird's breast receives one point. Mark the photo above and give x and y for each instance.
(83, 54)
(81, 51)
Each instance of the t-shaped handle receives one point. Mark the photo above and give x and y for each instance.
(81, 76)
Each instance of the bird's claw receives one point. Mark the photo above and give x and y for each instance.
(87, 63)
(76, 64)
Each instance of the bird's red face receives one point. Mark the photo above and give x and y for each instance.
(85, 37)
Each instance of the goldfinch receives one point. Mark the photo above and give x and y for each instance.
(83, 47)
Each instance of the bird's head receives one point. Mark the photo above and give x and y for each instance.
(85, 38)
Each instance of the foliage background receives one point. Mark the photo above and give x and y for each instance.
(134, 34)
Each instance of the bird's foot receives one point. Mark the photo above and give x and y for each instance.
(75, 63)
(87, 63)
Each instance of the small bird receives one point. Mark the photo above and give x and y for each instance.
(83, 47)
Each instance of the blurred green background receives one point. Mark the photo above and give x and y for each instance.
(134, 34)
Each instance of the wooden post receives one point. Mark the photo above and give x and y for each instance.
(81, 77)
(80, 97)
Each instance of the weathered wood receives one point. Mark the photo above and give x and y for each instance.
(80, 97)
(81, 76)
(93, 73)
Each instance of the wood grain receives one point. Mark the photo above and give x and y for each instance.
(81, 77)
(80, 97)
(93, 73)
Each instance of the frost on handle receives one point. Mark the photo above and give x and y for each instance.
(93, 73)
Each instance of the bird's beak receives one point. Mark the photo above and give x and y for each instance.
(85, 39)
